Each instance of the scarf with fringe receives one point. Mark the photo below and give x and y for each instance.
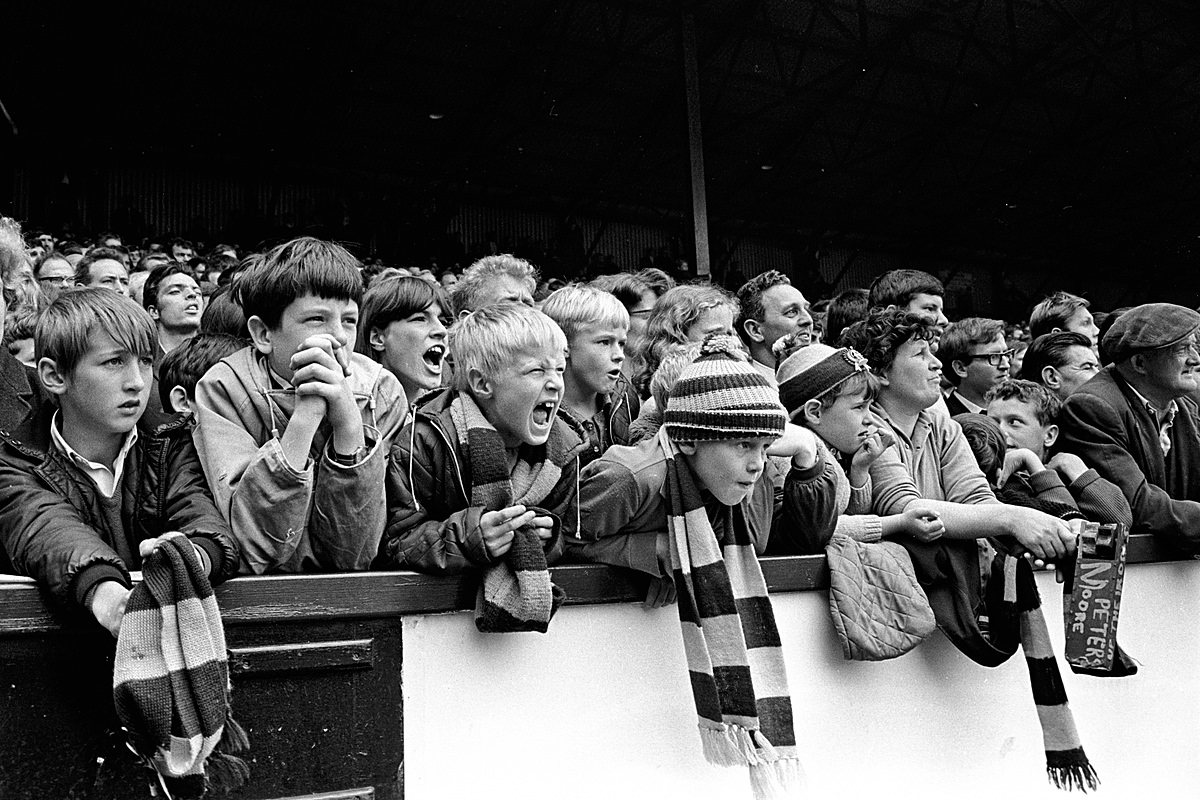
(517, 593)
(734, 657)
(171, 678)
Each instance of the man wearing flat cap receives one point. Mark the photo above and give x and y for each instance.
(1137, 421)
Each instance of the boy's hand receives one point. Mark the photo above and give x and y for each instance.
(543, 526)
(1019, 459)
(922, 523)
(497, 528)
(107, 602)
(797, 443)
(661, 591)
(320, 368)
(1068, 465)
(872, 447)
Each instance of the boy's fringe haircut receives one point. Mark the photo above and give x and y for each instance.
(302, 266)
(577, 307)
(857, 383)
(67, 327)
(1053, 312)
(1046, 404)
(491, 339)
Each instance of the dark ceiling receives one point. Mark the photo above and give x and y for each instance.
(1054, 131)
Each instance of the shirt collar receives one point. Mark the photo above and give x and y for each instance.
(967, 404)
(106, 476)
(1161, 415)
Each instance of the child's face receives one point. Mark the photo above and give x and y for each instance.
(728, 469)
(1082, 322)
(718, 319)
(1019, 423)
(414, 349)
(845, 424)
(305, 317)
(109, 388)
(597, 353)
(522, 398)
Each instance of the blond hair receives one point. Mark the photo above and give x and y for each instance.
(577, 307)
(66, 329)
(492, 338)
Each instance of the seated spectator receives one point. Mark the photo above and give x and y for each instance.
(931, 462)
(1137, 422)
(687, 313)
(721, 419)
(829, 391)
(403, 327)
(975, 351)
(639, 300)
(490, 455)
(494, 279)
(1062, 362)
(913, 291)
(771, 308)
(844, 310)
(172, 298)
(294, 432)
(102, 267)
(1063, 311)
(1026, 414)
(596, 394)
(70, 477)
(223, 314)
(54, 275)
(182, 368)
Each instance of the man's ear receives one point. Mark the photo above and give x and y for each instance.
(260, 334)
(480, 384)
(811, 411)
(375, 339)
(1050, 436)
(51, 377)
(1051, 379)
(687, 448)
(1138, 363)
(753, 329)
(153, 312)
(960, 369)
(179, 400)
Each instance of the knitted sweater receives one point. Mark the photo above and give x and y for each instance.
(805, 527)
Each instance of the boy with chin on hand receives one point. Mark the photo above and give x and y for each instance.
(294, 430)
(489, 458)
(85, 492)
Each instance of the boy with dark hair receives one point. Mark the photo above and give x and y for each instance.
(85, 493)
(596, 393)
(172, 297)
(1063, 311)
(294, 431)
(1062, 362)
(182, 368)
(977, 356)
(911, 290)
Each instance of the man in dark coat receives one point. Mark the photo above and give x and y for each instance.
(1137, 422)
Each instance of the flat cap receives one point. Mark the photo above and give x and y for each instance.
(1152, 326)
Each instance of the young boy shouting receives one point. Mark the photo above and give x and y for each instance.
(294, 431)
(595, 393)
(830, 391)
(490, 456)
(84, 492)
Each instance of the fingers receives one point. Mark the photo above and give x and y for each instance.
(661, 592)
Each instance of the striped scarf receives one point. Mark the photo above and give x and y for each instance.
(516, 594)
(170, 677)
(734, 657)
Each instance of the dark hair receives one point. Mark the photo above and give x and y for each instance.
(625, 286)
(293, 269)
(749, 297)
(658, 281)
(84, 267)
(1046, 404)
(148, 261)
(187, 363)
(1053, 312)
(959, 337)
(394, 299)
(1050, 350)
(844, 310)
(224, 315)
(157, 276)
(986, 440)
(101, 238)
(178, 241)
(882, 332)
(1112, 317)
(897, 287)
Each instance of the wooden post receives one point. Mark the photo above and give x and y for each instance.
(695, 145)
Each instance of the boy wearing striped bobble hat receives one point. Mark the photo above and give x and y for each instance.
(690, 508)
(829, 391)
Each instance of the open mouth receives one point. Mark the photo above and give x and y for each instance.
(543, 413)
(434, 356)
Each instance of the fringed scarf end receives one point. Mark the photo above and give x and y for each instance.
(778, 779)
(1070, 770)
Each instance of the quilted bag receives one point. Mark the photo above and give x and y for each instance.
(877, 605)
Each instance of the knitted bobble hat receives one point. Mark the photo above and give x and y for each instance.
(814, 370)
(719, 396)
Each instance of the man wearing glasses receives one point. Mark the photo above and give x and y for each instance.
(1138, 424)
(54, 274)
(976, 358)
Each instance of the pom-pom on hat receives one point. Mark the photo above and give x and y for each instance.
(1152, 326)
(814, 370)
(719, 396)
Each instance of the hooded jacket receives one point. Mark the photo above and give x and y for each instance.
(323, 515)
(53, 523)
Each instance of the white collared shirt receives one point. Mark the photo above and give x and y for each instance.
(106, 479)
(967, 404)
(1164, 418)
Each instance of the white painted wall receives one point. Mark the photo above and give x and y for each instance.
(600, 708)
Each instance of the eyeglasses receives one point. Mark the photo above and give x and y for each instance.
(64, 280)
(992, 358)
